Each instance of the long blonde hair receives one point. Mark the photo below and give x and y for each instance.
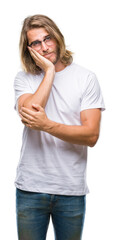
(37, 21)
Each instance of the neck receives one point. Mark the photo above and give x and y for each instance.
(59, 66)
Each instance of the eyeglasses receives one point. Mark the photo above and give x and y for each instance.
(37, 45)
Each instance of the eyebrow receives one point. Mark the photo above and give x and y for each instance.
(39, 40)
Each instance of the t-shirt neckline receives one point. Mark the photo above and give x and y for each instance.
(64, 70)
(60, 72)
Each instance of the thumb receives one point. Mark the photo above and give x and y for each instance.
(37, 107)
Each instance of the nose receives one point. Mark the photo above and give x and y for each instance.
(44, 46)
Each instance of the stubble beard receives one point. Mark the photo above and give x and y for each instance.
(57, 56)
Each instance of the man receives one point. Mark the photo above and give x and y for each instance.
(60, 104)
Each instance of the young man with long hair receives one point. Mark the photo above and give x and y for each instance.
(60, 105)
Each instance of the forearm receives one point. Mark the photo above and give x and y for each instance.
(86, 134)
(42, 93)
(82, 135)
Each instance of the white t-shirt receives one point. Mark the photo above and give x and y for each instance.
(48, 164)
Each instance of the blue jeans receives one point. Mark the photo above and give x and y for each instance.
(34, 211)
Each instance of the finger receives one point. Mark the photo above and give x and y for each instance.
(37, 56)
(27, 124)
(27, 111)
(40, 60)
(34, 53)
(37, 59)
(24, 120)
(27, 118)
(37, 107)
(34, 56)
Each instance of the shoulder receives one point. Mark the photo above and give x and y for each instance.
(26, 77)
(22, 74)
(83, 75)
(80, 70)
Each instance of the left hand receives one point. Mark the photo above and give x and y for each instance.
(34, 120)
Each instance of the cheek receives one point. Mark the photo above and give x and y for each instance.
(54, 47)
(56, 50)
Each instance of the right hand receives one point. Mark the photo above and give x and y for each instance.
(41, 61)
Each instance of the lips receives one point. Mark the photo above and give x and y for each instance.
(47, 55)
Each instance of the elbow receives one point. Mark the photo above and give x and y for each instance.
(24, 105)
(93, 140)
(27, 105)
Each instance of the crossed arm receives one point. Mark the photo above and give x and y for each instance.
(31, 109)
(86, 134)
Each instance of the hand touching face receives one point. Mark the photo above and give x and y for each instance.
(41, 61)
(40, 47)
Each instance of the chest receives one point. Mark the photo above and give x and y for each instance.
(64, 101)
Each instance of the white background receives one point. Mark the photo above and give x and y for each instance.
(91, 31)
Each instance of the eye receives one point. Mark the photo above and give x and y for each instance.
(36, 43)
(48, 38)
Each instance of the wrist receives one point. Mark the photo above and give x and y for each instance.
(49, 126)
(50, 74)
(50, 70)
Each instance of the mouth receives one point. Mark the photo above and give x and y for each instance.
(47, 55)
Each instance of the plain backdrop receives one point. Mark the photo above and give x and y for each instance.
(91, 31)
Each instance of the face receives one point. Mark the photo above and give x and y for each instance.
(40, 40)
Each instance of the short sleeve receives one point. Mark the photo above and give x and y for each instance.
(21, 85)
(92, 95)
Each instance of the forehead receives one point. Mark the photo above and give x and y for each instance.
(36, 33)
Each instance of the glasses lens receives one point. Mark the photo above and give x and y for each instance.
(36, 45)
(48, 40)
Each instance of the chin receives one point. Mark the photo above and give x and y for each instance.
(55, 60)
